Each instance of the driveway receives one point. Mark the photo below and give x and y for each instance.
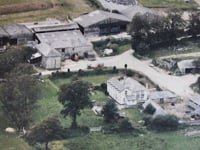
(179, 85)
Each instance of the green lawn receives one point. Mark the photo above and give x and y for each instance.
(169, 3)
(49, 105)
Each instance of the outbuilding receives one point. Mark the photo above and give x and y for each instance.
(100, 22)
(18, 34)
(187, 66)
(51, 59)
(3, 38)
(67, 43)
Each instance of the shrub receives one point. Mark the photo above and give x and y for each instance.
(125, 126)
(129, 73)
(149, 109)
(167, 122)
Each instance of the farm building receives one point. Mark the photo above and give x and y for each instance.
(102, 23)
(51, 59)
(18, 34)
(131, 11)
(194, 103)
(67, 43)
(4, 38)
(51, 26)
(163, 97)
(127, 91)
(187, 66)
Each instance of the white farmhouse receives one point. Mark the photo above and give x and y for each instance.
(127, 91)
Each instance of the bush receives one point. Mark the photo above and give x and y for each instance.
(125, 126)
(129, 73)
(149, 109)
(167, 122)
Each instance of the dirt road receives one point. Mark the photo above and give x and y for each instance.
(179, 85)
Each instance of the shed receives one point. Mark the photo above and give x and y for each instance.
(187, 66)
(51, 59)
(18, 34)
(194, 102)
(102, 23)
(163, 96)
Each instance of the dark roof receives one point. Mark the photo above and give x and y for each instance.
(16, 30)
(98, 16)
(3, 33)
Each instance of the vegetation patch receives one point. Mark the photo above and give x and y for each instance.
(169, 3)
(24, 7)
(118, 46)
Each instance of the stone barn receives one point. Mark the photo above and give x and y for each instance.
(18, 34)
(100, 22)
(51, 59)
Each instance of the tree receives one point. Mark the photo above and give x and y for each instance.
(11, 58)
(110, 111)
(125, 126)
(18, 97)
(45, 132)
(149, 109)
(74, 97)
(194, 24)
(175, 25)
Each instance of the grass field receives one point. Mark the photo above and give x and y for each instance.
(48, 105)
(72, 8)
(168, 3)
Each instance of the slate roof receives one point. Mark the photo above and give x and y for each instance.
(47, 51)
(16, 30)
(161, 94)
(126, 83)
(98, 16)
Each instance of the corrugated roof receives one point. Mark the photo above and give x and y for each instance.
(186, 64)
(161, 94)
(15, 30)
(131, 11)
(64, 39)
(98, 16)
(47, 51)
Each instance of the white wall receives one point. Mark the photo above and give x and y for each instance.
(51, 62)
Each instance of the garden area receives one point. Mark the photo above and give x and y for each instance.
(169, 3)
(111, 47)
(48, 105)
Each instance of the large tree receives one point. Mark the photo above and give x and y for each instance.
(194, 24)
(18, 96)
(110, 111)
(45, 132)
(11, 58)
(74, 97)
